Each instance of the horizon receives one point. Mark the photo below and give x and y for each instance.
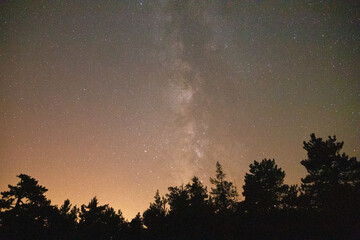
(206, 183)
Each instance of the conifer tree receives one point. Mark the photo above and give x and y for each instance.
(224, 193)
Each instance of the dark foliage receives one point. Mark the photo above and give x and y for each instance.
(25, 211)
(154, 216)
(326, 206)
(100, 221)
(224, 193)
(330, 173)
(264, 188)
(332, 186)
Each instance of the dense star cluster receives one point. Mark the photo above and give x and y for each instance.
(120, 98)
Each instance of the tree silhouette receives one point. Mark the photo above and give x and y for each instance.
(154, 216)
(197, 194)
(26, 192)
(68, 211)
(177, 199)
(224, 194)
(191, 197)
(331, 188)
(189, 210)
(64, 222)
(99, 221)
(178, 218)
(330, 173)
(137, 226)
(116, 226)
(200, 212)
(25, 211)
(264, 186)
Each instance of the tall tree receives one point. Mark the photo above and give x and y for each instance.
(154, 216)
(332, 176)
(224, 194)
(264, 186)
(199, 209)
(25, 212)
(197, 194)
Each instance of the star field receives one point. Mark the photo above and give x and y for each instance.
(118, 99)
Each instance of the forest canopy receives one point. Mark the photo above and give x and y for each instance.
(326, 205)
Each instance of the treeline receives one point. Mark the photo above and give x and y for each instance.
(325, 206)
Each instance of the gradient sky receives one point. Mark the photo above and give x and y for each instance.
(120, 98)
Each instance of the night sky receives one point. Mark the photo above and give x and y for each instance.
(120, 98)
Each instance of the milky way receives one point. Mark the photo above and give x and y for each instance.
(119, 99)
